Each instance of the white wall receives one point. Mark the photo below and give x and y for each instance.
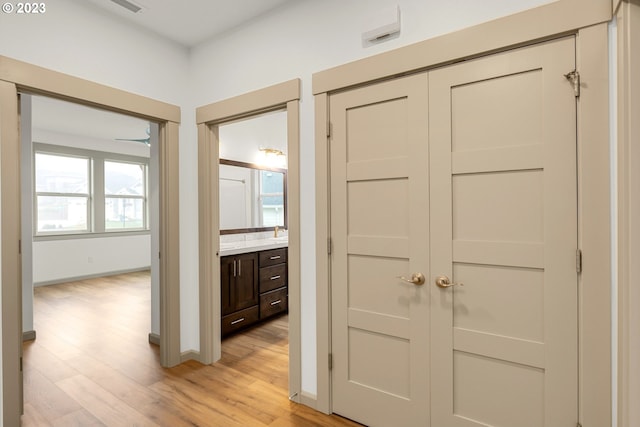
(88, 257)
(307, 37)
(290, 42)
(56, 260)
(242, 140)
(75, 38)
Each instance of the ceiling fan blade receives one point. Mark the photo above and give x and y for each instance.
(144, 140)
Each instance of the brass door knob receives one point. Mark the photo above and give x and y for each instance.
(445, 282)
(416, 279)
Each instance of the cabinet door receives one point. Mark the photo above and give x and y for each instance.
(226, 279)
(244, 290)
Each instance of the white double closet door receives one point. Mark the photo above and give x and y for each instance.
(454, 229)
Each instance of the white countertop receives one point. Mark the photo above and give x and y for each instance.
(245, 246)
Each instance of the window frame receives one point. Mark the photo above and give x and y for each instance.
(97, 197)
(144, 197)
(262, 195)
(86, 196)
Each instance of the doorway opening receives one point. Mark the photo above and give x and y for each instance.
(254, 238)
(279, 261)
(89, 204)
(89, 223)
(19, 77)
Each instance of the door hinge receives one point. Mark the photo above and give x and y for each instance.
(20, 363)
(579, 261)
(574, 78)
(329, 246)
(329, 129)
(330, 361)
(20, 247)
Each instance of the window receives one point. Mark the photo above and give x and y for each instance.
(83, 192)
(62, 193)
(272, 198)
(125, 195)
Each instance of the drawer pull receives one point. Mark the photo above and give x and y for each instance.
(276, 302)
(275, 277)
(275, 257)
(235, 322)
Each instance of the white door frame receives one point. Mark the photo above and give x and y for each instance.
(283, 96)
(588, 21)
(16, 76)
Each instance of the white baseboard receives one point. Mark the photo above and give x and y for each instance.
(88, 276)
(308, 399)
(189, 355)
(154, 338)
(28, 336)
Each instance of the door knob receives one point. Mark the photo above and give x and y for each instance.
(444, 282)
(416, 279)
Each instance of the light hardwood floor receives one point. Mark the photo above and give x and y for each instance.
(91, 365)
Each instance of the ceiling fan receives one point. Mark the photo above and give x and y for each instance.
(146, 140)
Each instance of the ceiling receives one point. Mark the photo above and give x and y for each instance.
(185, 22)
(189, 22)
(74, 119)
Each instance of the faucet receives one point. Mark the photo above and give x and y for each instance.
(275, 231)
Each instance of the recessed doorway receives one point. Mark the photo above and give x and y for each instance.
(215, 243)
(19, 77)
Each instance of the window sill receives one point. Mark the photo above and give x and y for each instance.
(101, 235)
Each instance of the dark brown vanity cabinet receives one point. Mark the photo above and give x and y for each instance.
(253, 287)
(239, 282)
(273, 282)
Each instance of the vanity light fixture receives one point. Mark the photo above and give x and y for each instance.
(272, 151)
(272, 157)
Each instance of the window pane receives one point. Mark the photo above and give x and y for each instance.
(123, 179)
(61, 174)
(57, 214)
(121, 213)
(272, 182)
(273, 215)
(272, 198)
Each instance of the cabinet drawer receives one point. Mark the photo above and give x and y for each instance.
(273, 257)
(273, 277)
(273, 302)
(240, 319)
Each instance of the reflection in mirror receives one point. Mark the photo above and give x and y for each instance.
(252, 197)
(253, 178)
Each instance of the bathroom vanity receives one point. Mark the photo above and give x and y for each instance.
(253, 280)
(253, 257)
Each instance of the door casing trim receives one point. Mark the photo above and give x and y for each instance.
(283, 96)
(628, 160)
(18, 76)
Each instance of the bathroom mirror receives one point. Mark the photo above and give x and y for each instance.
(252, 197)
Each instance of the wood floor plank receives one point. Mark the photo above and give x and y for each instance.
(80, 418)
(57, 369)
(121, 386)
(34, 418)
(92, 366)
(203, 411)
(103, 405)
(46, 397)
